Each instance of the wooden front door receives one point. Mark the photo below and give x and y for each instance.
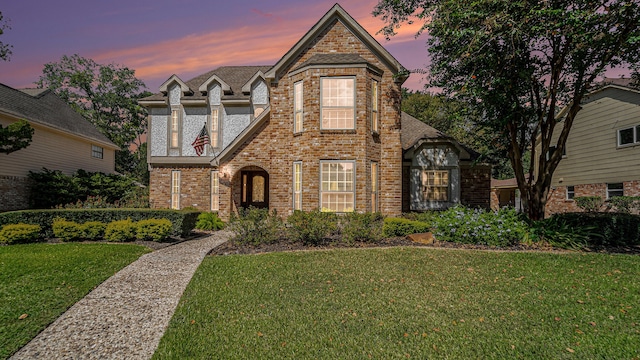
(255, 189)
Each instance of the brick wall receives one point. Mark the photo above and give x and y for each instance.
(475, 186)
(14, 193)
(557, 200)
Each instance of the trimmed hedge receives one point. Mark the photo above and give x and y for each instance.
(403, 227)
(120, 230)
(183, 221)
(19, 233)
(153, 229)
(606, 229)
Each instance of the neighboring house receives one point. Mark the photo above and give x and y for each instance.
(504, 193)
(319, 129)
(62, 140)
(602, 155)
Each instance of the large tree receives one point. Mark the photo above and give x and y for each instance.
(5, 49)
(15, 136)
(106, 95)
(519, 62)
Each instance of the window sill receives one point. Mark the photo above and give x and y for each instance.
(337, 131)
(299, 133)
(626, 146)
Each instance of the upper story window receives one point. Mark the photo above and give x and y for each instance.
(298, 106)
(337, 103)
(375, 126)
(97, 152)
(215, 128)
(174, 128)
(629, 136)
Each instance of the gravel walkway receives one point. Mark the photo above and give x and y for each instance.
(124, 317)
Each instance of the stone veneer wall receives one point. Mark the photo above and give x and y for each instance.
(14, 193)
(557, 200)
(475, 186)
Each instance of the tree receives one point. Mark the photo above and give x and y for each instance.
(519, 62)
(107, 96)
(15, 136)
(5, 49)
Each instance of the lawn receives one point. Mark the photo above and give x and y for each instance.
(414, 303)
(44, 280)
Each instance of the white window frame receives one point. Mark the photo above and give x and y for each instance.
(97, 152)
(214, 127)
(175, 189)
(335, 183)
(570, 192)
(375, 186)
(298, 107)
(297, 185)
(635, 131)
(609, 191)
(174, 127)
(375, 107)
(425, 187)
(324, 108)
(215, 190)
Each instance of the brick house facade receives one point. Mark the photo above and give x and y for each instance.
(321, 128)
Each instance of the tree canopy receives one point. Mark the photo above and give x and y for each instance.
(5, 49)
(518, 63)
(15, 136)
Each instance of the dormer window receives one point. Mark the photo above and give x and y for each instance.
(298, 106)
(338, 103)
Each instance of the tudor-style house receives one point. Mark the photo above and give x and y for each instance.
(320, 129)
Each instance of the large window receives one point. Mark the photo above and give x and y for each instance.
(435, 185)
(174, 128)
(175, 189)
(338, 103)
(629, 136)
(297, 185)
(374, 186)
(298, 106)
(97, 152)
(337, 191)
(215, 128)
(375, 126)
(215, 191)
(615, 189)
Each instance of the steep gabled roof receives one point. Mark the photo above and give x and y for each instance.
(47, 109)
(336, 13)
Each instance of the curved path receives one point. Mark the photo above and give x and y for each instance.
(124, 317)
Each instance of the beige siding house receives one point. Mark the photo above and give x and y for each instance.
(602, 156)
(62, 140)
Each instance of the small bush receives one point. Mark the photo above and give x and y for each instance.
(256, 226)
(589, 203)
(424, 217)
(67, 230)
(311, 227)
(93, 230)
(365, 227)
(209, 221)
(403, 227)
(153, 229)
(558, 233)
(120, 230)
(624, 204)
(19, 233)
(605, 229)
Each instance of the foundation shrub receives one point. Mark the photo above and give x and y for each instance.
(589, 203)
(93, 230)
(624, 204)
(19, 234)
(120, 231)
(67, 230)
(256, 226)
(209, 221)
(402, 227)
(364, 227)
(604, 229)
(311, 227)
(153, 229)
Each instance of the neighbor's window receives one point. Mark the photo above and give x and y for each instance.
(175, 189)
(97, 152)
(629, 136)
(298, 106)
(374, 186)
(435, 185)
(215, 128)
(337, 103)
(174, 128)
(215, 191)
(571, 191)
(297, 185)
(375, 126)
(615, 189)
(337, 191)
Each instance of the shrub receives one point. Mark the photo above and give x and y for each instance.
(424, 217)
(120, 230)
(19, 233)
(589, 203)
(311, 227)
(256, 226)
(605, 229)
(403, 227)
(183, 221)
(463, 225)
(153, 229)
(558, 233)
(366, 227)
(93, 230)
(625, 204)
(67, 230)
(209, 221)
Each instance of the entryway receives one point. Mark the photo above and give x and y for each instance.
(255, 189)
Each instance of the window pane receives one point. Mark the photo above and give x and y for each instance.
(435, 185)
(625, 136)
(615, 189)
(337, 103)
(337, 186)
(257, 194)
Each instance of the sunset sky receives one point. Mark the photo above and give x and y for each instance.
(158, 38)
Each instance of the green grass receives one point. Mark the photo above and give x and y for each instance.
(44, 280)
(409, 303)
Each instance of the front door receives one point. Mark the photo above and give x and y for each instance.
(255, 189)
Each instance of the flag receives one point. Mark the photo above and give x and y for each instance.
(201, 141)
